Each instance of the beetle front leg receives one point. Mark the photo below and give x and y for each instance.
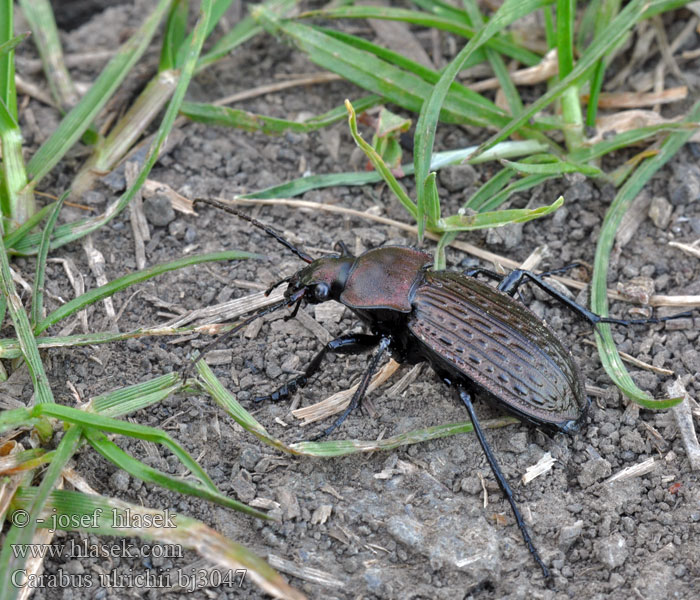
(384, 343)
(355, 343)
(502, 483)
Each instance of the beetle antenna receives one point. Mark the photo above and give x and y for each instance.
(295, 298)
(268, 230)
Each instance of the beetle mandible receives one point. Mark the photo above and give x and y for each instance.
(476, 337)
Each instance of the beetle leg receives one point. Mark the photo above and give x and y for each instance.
(563, 269)
(345, 344)
(502, 483)
(516, 278)
(487, 272)
(361, 388)
(344, 251)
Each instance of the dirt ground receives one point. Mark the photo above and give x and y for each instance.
(409, 523)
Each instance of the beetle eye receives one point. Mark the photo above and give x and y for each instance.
(321, 292)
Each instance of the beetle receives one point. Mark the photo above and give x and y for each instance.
(476, 337)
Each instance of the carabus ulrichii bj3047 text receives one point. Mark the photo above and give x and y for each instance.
(477, 338)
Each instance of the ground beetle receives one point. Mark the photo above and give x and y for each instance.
(476, 337)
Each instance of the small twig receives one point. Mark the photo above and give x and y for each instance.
(684, 421)
(637, 99)
(637, 470)
(547, 67)
(539, 468)
(635, 361)
(139, 226)
(690, 249)
(278, 87)
(97, 265)
(230, 310)
(77, 282)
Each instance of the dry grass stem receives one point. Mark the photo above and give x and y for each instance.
(178, 201)
(139, 225)
(278, 87)
(340, 400)
(548, 67)
(636, 362)
(306, 573)
(637, 470)
(690, 249)
(656, 300)
(539, 468)
(638, 99)
(684, 420)
(226, 311)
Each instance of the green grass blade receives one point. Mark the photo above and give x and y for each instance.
(379, 164)
(570, 103)
(214, 10)
(23, 329)
(599, 302)
(439, 160)
(22, 536)
(241, 119)
(16, 201)
(77, 121)
(130, 127)
(134, 430)
(515, 103)
(625, 139)
(596, 87)
(497, 218)
(337, 448)
(15, 418)
(498, 43)
(212, 386)
(519, 185)
(400, 61)
(9, 347)
(552, 166)
(440, 262)
(39, 14)
(379, 77)
(223, 397)
(113, 453)
(175, 30)
(656, 7)
(8, 94)
(126, 281)
(40, 274)
(77, 230)
(18, 234)
(432, 205)
(126, 400)
(608, 39)
(11, 44)
(426, 126)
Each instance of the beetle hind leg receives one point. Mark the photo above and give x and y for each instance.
(345, 344)
(516, 278)
(502, 483)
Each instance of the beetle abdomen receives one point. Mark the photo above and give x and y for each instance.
(477, 332)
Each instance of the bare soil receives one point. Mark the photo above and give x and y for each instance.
(420, 529)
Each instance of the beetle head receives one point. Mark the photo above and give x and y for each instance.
(324, 279)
